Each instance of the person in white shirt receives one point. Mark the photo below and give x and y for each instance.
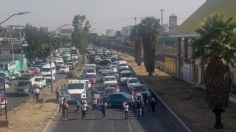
(126, 109)
(36, 93)
(84, 109)
(60, 102)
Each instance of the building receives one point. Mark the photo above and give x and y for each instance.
(172, 23)
(126, 31)
(12, 57)
(176, 51)
(66, 32)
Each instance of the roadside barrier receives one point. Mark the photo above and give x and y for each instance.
(166, 111)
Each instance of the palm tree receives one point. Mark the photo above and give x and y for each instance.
(137, 40)
(218, 50)
(149, 29)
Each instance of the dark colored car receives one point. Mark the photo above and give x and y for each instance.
(103, 63)
(117, 99)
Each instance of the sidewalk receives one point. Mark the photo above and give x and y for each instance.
(187, 102)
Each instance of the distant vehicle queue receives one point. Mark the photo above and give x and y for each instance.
(108, 80)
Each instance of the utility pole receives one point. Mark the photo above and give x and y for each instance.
(162, 11)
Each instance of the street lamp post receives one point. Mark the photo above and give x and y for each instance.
(50, 50)
(19, 13)
(2, 76)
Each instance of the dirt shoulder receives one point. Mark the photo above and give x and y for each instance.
(31, 116)
(187, 102)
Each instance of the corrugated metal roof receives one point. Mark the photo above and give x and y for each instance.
(210, 7)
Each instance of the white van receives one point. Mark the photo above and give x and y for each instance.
(77, 89)
(39, 81)
(46, 71)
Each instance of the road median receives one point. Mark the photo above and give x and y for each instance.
(30, 116)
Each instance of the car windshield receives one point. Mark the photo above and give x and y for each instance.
(46, 69)
(140, 88)
(109, 79)
(104, 62)
(134, 81)
(88, 76)
(123, 64)
(64, 67)
(23, 83)
(48, 75)
(111, 85)
(76, 86)
(90, 70)
(37, 79)
(126, 75)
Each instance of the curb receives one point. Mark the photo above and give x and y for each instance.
(54, 114)
(50, 120)
(172, 113)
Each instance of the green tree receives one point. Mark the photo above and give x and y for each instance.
(43, 51)
(136, 38)
(217, 47)
(149, 30)
(38, 40)
(80, 33)
(35, 38)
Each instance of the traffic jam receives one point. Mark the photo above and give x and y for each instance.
(106, 80)
(39, 75)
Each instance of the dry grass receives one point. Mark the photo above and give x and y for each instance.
(186, 101)
(31, 116)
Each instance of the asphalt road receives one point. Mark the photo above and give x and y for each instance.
(14, 99)
(113, 122)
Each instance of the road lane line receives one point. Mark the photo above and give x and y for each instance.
(113, 126)
(130, 128)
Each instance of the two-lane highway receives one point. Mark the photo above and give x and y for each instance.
(113, 122)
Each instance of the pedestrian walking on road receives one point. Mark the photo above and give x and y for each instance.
(153, 104)
(139, 109)
(133, 102)
(84, 109)
(126, 109)
(103, 110)
(95, 102)
(36, 93)
(57, 93)
(78, 104)
(65, 109)
(60, 102)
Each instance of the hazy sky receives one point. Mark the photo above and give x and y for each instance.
(102, 14)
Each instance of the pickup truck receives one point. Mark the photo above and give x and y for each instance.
(24, 85)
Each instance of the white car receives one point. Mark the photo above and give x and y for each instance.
(76, 88)
(39, 81)
(114, 68)
(64, 69)
(132, 81)
(124, 75)
(122, 64)
(109, 79)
